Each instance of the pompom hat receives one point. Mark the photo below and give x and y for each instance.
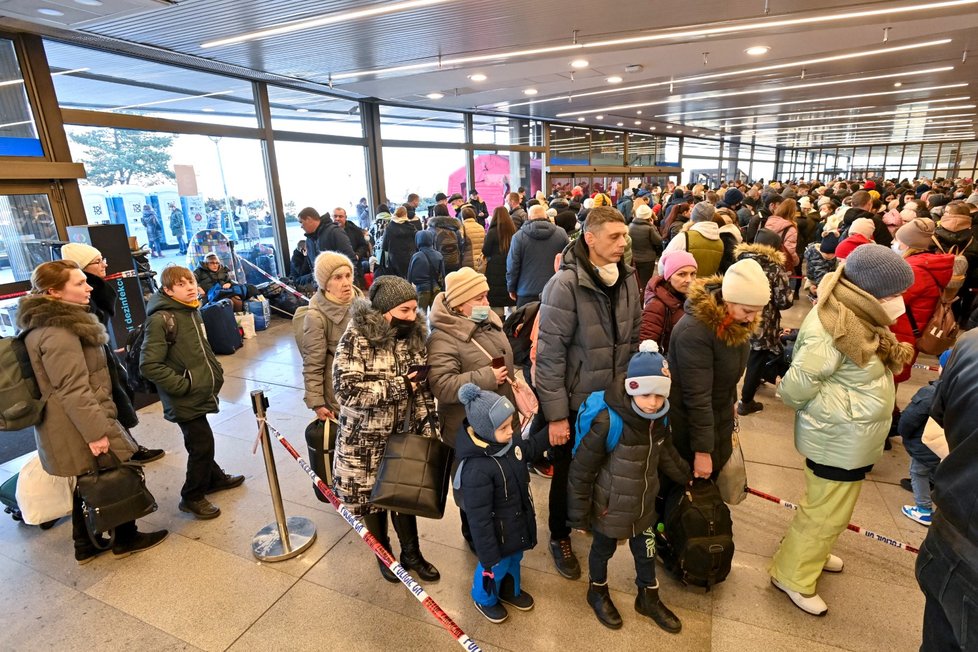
(486, 411)
(648, 372)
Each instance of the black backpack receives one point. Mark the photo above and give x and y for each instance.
(699, 532)
(450, 243)
(134, 347)
(518, 327)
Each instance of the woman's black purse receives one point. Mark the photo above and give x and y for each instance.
(111, 496)
(415, 472)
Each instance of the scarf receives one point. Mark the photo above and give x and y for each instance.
(858, 324)
(332, 299)
(193, 304)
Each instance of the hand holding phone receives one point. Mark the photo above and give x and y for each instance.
(499, 362)
(418, 373)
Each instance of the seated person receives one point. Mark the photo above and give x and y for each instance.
(215, 282)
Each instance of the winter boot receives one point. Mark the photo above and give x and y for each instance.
(406, 527)
(648, 604)
(377, 526)
(604, 608)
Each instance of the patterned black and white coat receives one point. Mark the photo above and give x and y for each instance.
(370, 384)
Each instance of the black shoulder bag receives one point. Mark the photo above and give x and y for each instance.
(113, 495)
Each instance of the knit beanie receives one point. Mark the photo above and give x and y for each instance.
(80, 253)
(601, 199)
(732, 197)
(917, 234)
(327, 263)
(863, 226)
(805, 203)
(823, 200)
(486, 411)
(746, 283)
(869, 185)
(648, 372)
(769, 238)
(949, 222)
(878, 270)
(463, 285)
(675, 261)
(388, 292)
(644, 212)
(829, 242)
(702, 212)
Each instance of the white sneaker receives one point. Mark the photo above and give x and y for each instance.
(810, 604)
(833, 564)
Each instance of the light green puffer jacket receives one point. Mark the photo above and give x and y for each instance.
(843, 412)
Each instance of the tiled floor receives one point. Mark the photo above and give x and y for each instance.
(203, 589)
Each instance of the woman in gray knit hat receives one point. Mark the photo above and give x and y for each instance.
(840, 385)
(374, 389)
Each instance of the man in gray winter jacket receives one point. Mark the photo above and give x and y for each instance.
(590, 316)
(530, 263)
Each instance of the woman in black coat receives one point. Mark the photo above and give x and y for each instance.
(398, 246)
(495, 249)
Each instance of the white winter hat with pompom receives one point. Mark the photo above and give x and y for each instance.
(648, 372)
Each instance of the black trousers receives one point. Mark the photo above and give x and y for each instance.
(947, 573)
(202, 470)
(645, 272)
(756, 362)
(79, 532)
(560, 457)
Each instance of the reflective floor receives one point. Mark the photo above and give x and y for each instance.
(203, 589)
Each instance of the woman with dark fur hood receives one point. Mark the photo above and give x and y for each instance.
(707, 355)
(378, 397)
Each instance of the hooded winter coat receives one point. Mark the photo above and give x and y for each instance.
(66, 345)
(187, 374)
(702, 239)
(849, 243)
(398, 246)
(588, 332)
(455, 360)
(663, 310)
(931, 274)
(370, 383)
(427, 268)
(322, 326)
(496, 268)
(475, 233)
(788, 233)
(614, 493)
(842, 411)
(530, 263)
(495, 489)
(707, 356)
(816, 267)
(881, 235)
(646, 241)
(768, 337)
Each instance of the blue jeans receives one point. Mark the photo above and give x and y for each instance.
(921, 477)
(947, 572)
(643, 552)
(506, 566)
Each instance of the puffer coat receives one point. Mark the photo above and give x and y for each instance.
(614, 493)
(585, 336)
(842, 411)
(931, 274)
(663, 310)
(322, 326)
(370, 383)
(206, 279)
(768, 337)
(646, 241)
(186, 374)
(455, 360)
(707, 357)
(66, 345)
(475, 233)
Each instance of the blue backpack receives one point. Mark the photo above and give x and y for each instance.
(590, 409)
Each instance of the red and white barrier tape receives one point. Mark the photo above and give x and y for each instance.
(416, 589)
(129, 273)
(271, 278)
(855, 528)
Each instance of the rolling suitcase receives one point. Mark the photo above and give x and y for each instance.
(222, 330)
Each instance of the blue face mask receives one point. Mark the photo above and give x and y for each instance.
(479, 313)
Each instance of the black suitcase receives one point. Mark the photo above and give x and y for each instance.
(321, 441)
(8, 497)
(698, 534)
(222, 331)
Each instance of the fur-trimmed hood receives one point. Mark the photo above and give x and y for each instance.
(705, 304)
(374, 328)
(761, 253)
(40, 311)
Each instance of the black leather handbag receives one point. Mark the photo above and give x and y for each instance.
(414, 474)
(321, 441)
(113, 495)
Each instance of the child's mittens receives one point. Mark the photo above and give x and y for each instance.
(488, 582)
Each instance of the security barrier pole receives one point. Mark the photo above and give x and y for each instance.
(286, 537)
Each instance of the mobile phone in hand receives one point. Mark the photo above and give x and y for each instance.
(419, 372)
(498, 363)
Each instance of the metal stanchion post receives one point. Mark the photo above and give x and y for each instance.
(286, 537)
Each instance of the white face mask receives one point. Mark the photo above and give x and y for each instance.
(479, 313)
(894, 308)
(897, 247)
(608, 273)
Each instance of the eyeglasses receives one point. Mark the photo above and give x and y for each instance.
(100, 261)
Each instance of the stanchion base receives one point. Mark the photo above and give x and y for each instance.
(268, 545)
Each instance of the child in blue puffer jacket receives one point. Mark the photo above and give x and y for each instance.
(494, 484)
(426, 271)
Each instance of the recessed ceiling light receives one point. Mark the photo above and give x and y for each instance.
(580, 63)
(614, 79)
(639, 112)
(435, 96)
(50, 12)
(530, 91)
(302, 110)
(897, 84)
(566, 128)
(638, 122)
(477, 77)
(696, 131)
(90, 3)
(620, 124)
(679, 131)
(758, 50)
(581, 119)
(668, 126)
(207, 109)
(651, 128)
(599, 117)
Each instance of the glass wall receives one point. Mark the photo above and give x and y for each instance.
(500, 130)
(400, 123)
(701, 161)
(26, 230)
(18, 133)
(499, 172)
(570, 145)
(894, 161)
(309, 113)
(426, 171)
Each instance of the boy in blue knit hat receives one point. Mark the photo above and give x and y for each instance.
(614, 480)
(494, 484)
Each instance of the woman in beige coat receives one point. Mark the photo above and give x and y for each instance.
(66, 344)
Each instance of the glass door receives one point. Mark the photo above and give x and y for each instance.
(29, 215)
